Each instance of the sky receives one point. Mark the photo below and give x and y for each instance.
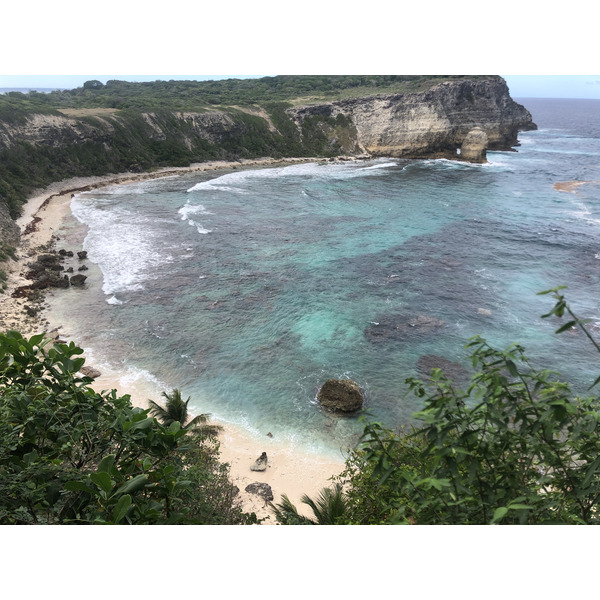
(540, 52)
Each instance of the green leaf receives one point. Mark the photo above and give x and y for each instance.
(512, 368)
(77, 486)
(592, 471)
(145, 424)
(30, 457)
(133, 485)
(499, 513)
(121, 508)
(102, 480)
(566, 326)
(560, 287)
(519, 507)
(106, 464)
(36, 339)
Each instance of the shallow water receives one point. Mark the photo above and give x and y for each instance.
(248, 289)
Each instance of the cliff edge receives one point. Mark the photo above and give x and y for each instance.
(455, 120)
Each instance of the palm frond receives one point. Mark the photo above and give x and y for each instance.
(176, 409)
(161, 414)
(329, 505)
(287, 514)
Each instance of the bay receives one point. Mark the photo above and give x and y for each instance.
(248, 289)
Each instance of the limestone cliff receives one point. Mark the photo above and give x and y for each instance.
(458, 119)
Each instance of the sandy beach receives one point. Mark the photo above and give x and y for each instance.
(290, 471)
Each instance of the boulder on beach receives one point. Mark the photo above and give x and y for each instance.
(260, 464)
(261, 489)
(341, 395)
(82, 254)
(78, 279)
(90, 372)
(48, 259)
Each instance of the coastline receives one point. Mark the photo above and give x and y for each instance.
(290, 471)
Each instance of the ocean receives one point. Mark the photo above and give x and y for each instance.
(248, 289)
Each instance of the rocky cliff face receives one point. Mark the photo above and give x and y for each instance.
(447, 120)
(458, 119)
(9, 232)
(55, 131)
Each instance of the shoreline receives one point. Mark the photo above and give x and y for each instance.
(290, 471)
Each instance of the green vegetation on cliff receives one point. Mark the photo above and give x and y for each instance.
(197, 95)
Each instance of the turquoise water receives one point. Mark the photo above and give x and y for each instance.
(249, 288)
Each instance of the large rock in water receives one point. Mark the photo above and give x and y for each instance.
(78, 279)
(474, 146)
(341, 395)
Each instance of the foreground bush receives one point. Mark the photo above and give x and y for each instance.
(71, 455)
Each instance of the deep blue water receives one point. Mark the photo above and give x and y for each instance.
(249, 288)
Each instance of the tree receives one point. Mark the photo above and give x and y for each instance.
(176, 410)
(329, 508)
(93, 84)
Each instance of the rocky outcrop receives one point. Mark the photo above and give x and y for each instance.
(435, 122)
(341, 395)
(474, 146)
(9, 231)
(446, 121)
(90, 372)
(401, 327)
(260, 489)
(261, 463)
(78, 279)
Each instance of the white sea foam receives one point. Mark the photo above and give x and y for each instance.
(381, 166)
(237, 181)
(135, 187)
(192, 209)
(134, 376)
(114, 300)
(199, 227)
(125, 247)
